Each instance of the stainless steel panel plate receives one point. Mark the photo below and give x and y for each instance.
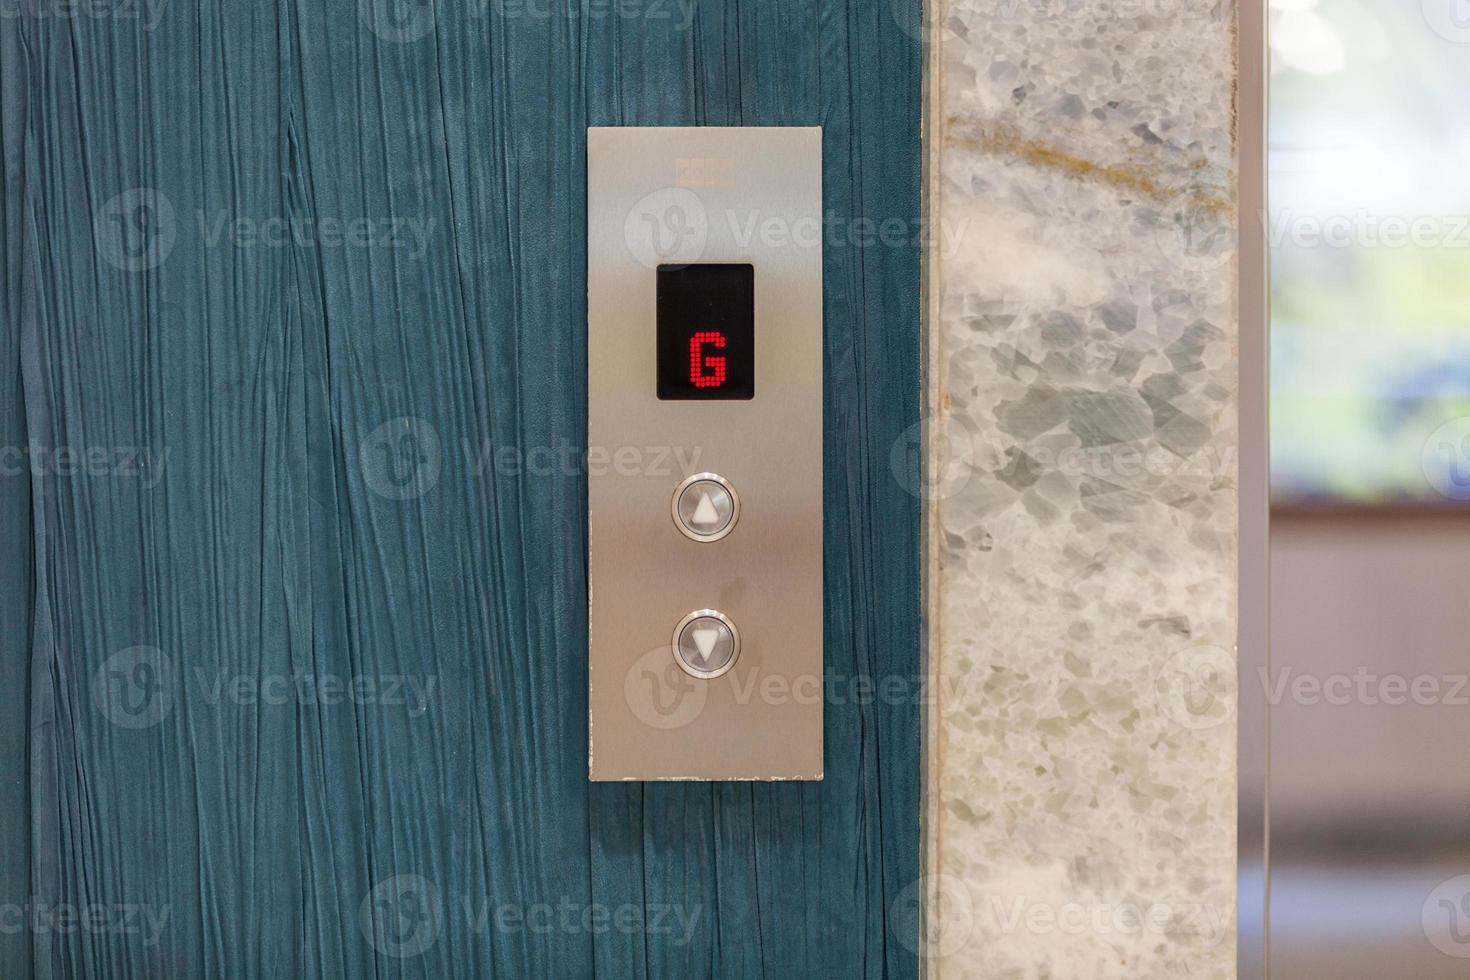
(704, 195)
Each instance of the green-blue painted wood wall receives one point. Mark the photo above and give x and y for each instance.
(211, 527)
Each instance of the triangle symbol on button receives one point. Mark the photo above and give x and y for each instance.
(705, 514)
(705, 639)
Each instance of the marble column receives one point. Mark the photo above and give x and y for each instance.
(1082, 756)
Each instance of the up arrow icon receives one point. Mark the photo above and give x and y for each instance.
(705, 514)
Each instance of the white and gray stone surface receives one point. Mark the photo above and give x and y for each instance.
(1082, 788)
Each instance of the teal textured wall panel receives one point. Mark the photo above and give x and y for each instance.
(304, 286)
(17, 579)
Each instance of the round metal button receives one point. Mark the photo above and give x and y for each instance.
(705, 507)
(706, 643)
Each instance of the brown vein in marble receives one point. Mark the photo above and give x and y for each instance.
(1007, 142)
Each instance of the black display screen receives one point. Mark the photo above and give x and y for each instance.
(706, 332)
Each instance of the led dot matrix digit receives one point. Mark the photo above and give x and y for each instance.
(706, 371)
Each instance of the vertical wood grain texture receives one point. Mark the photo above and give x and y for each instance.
(301, 286)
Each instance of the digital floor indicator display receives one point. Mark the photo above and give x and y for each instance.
(706, 331)
(704, 397)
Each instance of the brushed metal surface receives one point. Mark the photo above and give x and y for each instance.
(684, 194)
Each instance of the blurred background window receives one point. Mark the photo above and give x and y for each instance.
(1370, 232)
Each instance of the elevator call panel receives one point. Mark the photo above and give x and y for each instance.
(704, 461)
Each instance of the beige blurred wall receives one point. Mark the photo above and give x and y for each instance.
(1376, 595)
(1370, 799)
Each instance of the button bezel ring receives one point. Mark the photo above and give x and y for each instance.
(689, 668)
(688, 531)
